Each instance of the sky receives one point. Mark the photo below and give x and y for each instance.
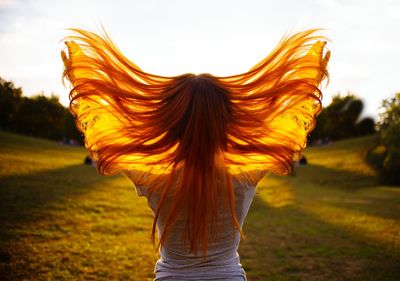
(223, 37)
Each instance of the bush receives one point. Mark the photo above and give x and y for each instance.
(385, 155)
(377, 155)
(391, 163)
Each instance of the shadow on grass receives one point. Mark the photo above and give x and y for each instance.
(65, 224)
(288, 243)
(340, 179)
(352, 183)
(25, 200)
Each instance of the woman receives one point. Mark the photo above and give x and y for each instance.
(196, 145)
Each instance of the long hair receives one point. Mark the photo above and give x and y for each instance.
(187, 136)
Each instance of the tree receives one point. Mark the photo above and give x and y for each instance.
(340, 119)
(69, 130)
(385, 154)
(366, 127)
(10, 99)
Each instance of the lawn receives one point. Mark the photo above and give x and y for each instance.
(61, 220)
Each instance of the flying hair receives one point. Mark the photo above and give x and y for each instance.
(187, 137)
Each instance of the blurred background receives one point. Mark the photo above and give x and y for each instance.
(337, 217)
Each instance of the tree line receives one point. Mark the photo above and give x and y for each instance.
(38, 116)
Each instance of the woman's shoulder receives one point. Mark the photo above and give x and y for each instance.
(249, 179)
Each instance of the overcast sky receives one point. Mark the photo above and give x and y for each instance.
(222, 37)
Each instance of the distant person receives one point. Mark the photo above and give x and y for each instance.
(88, 160)
(303, 160)
(196, 145)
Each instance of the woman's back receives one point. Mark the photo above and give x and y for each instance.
(222, 260)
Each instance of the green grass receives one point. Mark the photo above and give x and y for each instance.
(61, 220)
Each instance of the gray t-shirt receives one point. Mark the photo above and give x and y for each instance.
(223, 263)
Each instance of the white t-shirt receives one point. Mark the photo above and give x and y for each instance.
(223, 263)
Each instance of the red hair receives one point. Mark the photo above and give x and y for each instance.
(188, 136)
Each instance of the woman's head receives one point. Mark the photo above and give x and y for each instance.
(202, 110)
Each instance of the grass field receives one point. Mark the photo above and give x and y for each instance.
(61, 220)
